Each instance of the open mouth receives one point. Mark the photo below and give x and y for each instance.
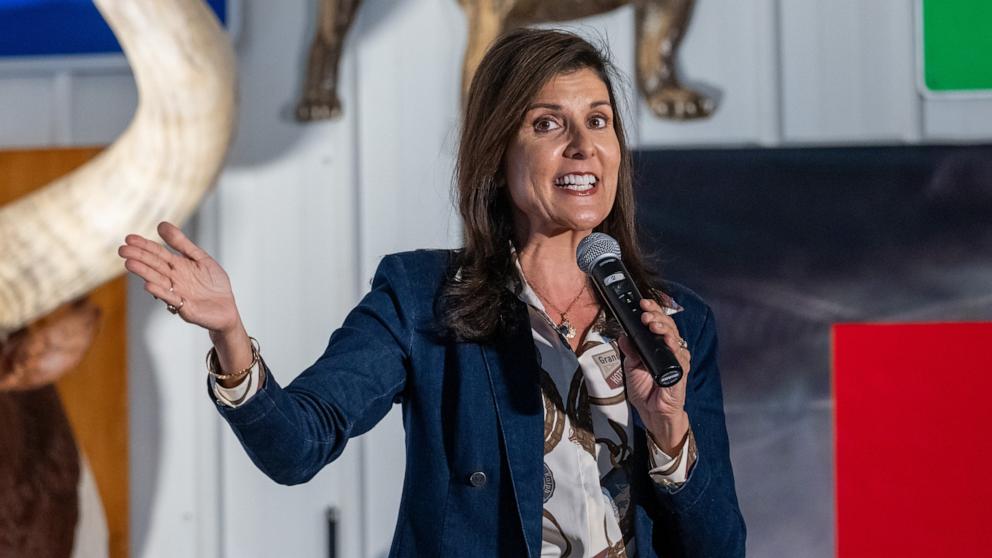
(576, 182)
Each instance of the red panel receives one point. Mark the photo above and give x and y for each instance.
(914, 440)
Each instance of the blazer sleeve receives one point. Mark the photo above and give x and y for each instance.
(291, 433)
(701, 517)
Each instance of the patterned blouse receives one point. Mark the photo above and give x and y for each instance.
(588, 442)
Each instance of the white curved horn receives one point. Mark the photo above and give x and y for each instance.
(61, 241)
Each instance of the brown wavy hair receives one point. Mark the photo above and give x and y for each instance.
(476, 304)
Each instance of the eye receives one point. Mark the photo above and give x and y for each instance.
(599, 121)
(545, 124)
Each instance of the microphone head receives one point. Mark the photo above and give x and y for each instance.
(594, 247)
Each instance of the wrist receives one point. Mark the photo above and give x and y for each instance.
(669, 431)
(229, 335)
(233, 352)
(229, 377)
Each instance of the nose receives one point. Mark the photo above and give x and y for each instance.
(580, 145)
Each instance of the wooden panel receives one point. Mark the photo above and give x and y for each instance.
(729, 48)
(407, 143)
(848, 71)
(23, 171)
(95, 399)
(95, 393)
(286, 234)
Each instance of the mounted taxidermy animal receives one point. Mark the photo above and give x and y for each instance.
(660, 27)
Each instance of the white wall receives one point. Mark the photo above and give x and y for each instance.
(302, 214)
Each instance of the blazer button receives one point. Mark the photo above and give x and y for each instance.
(477, 479)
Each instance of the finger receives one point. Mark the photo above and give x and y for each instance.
(669, 337)
(147, 258)
(153, 247)
(146, 272)
(668, 331)
(684, 357)
(651, 305)
(172, 235)
(654, 312)
(163, 293)
(654, 316)
(673, 340)
(658, 322)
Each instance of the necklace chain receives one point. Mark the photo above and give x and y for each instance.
(564, 326)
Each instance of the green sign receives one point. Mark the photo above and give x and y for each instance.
(957, 45)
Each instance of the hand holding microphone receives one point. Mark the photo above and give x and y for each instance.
(656, 360)
(598, 255)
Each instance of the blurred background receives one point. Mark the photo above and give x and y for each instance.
(844, 176)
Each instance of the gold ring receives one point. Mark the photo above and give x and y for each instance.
(173, 308)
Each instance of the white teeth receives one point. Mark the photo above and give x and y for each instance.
(576, 179)
(577, 187)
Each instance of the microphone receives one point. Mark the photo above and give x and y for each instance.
(598, 255)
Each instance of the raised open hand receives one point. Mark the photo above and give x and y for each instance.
(190, 281)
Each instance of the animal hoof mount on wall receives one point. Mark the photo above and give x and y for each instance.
(660, 27)
(680, 103)
(319, 109)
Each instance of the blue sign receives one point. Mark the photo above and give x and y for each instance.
(61, 27)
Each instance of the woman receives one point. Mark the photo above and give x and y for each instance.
(491, 346)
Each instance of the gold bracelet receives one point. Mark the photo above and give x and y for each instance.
(213, 363)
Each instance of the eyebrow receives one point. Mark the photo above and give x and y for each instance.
(552, 106)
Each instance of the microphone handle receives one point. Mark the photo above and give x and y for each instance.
(621, 295)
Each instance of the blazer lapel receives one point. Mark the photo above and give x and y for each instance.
(514, 375)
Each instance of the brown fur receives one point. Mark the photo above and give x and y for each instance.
(39, 473)
(39, 461)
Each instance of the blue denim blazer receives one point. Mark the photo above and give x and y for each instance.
(471, 408)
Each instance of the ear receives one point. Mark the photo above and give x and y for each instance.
(39, 354)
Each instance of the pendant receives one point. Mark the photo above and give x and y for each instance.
(566, 328)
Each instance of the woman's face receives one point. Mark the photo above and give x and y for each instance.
(562, 165)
